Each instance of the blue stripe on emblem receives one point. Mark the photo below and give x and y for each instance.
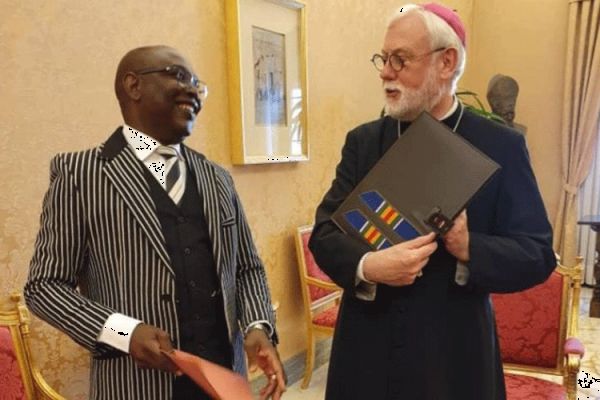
(372, 199)
(406, 230)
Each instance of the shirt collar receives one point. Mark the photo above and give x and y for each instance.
(142, 144)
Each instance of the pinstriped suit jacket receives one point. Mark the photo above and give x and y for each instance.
(99, 232)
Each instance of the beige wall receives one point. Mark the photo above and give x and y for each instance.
(526, 40)
(57, 69)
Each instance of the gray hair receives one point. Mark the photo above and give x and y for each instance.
(440, 34)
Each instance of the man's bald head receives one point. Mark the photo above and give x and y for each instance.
(135, 60)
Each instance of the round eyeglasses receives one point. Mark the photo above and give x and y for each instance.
(398, 62)
(183, 77)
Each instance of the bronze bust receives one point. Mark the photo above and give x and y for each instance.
(502, 95)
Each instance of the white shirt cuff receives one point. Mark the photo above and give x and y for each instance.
(462, 274)
(365, 289)
(117, 331)
(360, 275)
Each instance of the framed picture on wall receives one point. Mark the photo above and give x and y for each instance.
(266, 46)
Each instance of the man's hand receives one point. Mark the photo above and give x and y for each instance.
(400, 264)
(456, 240)
(262, 354)
(145, 347)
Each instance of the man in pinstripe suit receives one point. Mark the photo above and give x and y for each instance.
(144, 246)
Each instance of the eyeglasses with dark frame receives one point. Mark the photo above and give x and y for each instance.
(398, 62)
(183, 77)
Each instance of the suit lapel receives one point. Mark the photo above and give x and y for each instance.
(209, 185)
(126, 174)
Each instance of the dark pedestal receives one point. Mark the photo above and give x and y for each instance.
(594, 222)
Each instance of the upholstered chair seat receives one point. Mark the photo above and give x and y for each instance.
(327, 318)
(521, 387)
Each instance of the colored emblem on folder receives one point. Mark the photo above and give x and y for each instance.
(367, 230)
(389, 215)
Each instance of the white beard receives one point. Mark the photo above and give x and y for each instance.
(413, 102)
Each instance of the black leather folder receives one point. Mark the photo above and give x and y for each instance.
(425, 179)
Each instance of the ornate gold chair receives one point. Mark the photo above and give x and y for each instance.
(537, 329)
(21, 380)
(321, 299)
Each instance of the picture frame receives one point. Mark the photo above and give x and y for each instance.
(266, 48)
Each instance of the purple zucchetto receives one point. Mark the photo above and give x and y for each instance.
(451, 18)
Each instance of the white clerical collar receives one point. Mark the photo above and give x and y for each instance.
(452, 109)
(142, 144)
(455, 105)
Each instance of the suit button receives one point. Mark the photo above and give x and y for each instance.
(181, 220)
(176, 301)
(165, 297)
(196, 317)
(192, 284)
(187, 251)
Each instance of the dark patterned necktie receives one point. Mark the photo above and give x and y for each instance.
(173, 178)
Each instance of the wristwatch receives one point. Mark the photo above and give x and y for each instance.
(262, 327)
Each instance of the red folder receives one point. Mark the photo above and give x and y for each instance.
(218, 382)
